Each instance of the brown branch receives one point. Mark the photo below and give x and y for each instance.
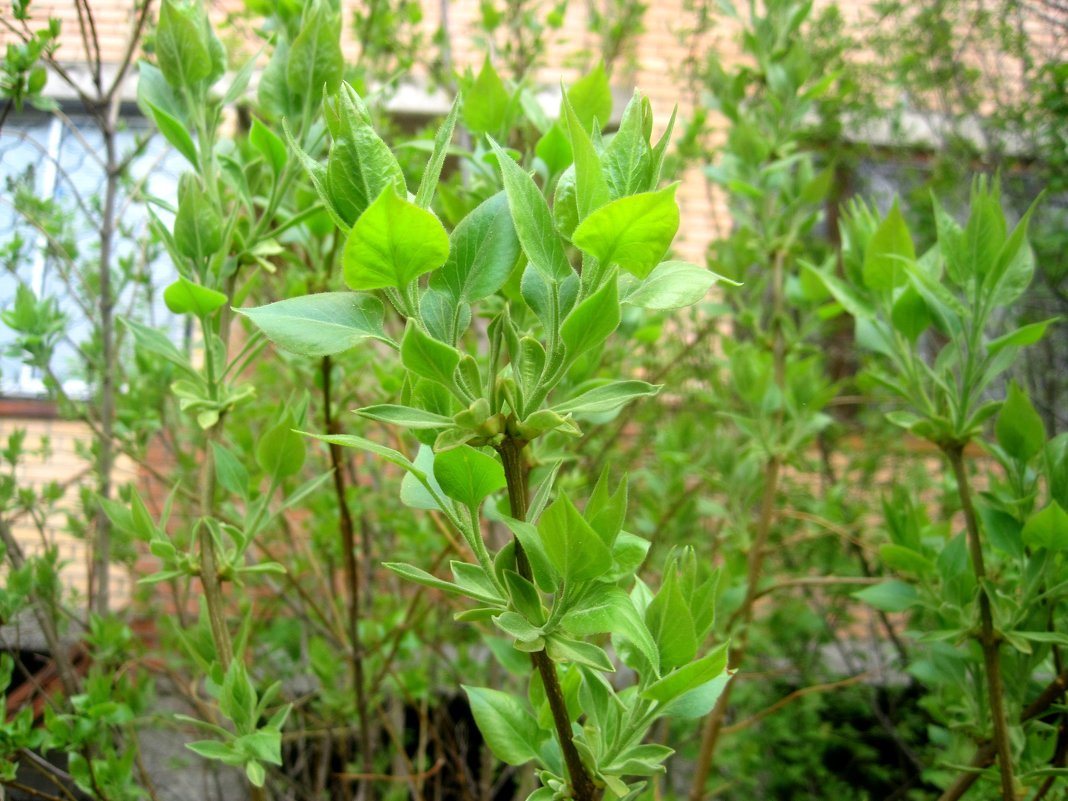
(516, 473)
(989, 639)
(385, 777)
(352, 578)
(818, 581)
(786, 700)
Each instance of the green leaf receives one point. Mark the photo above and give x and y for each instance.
(486, 101)
(910, 314)
(1019, 429)
(554, 149)
(198, 228)
(269, 145)
(420, 576)
(392, 243)
(256, 773)
(889, 248)
(1015, 263)
(671, 623)
(1047, 528)
(174, 132)
(697, 702)
(321, 325)
(360, 166)
(405, 416)
(984, 234)
(232, 475)
(573, 547)
(633, 232)
(212, 749)
(628, 160)
(673, 285)
(152, 341)
(508, 727)
(154, 90)
(563, 649)
(527, 535)
(905, 560)
(483, 250)
(607, 398)
(591, 96)
(950, 242)
(265, 746)
(520, 629)
(315, 59)
(856, 305)
(468, 475)
(524, 597)
(427, 357)
(1022, 336)
(689, 676)
(1002, 529)
(280, 451)
(1056, 463)
(641, 760)
(428, 183)
(185, 297)
(890, 596)
(591, 189)
(592, 321)
(605, 608)
(533, 222)
(181, 48)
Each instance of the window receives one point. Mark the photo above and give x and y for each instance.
(53, 175)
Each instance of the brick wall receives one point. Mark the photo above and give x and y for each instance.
(65, 465)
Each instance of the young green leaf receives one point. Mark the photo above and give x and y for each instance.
(628, 159)
(198, 228)
(671, 624)
(185, 297)
(1020, 431)
(633, 232)
(268, 144)
(483, 250)
(591, 189)
(432, 173)
(360, 166)
(174, 132)
(404, 416)
(315, 59)
(486, 101)
(280, 451)
(591, 96)
(232, 475)
(533, 222)
(888, 251)
(673, 285)
(607, 398)
(605, 608)
(554, 149)
(689, 676)
(564, 649)
(392, 243)
(321, 325)
(428, 358)
(510, 729)
(1047, 528)
(571, 544)
(592, 321)
(181, 49)
(889, 596)
(468, 475)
